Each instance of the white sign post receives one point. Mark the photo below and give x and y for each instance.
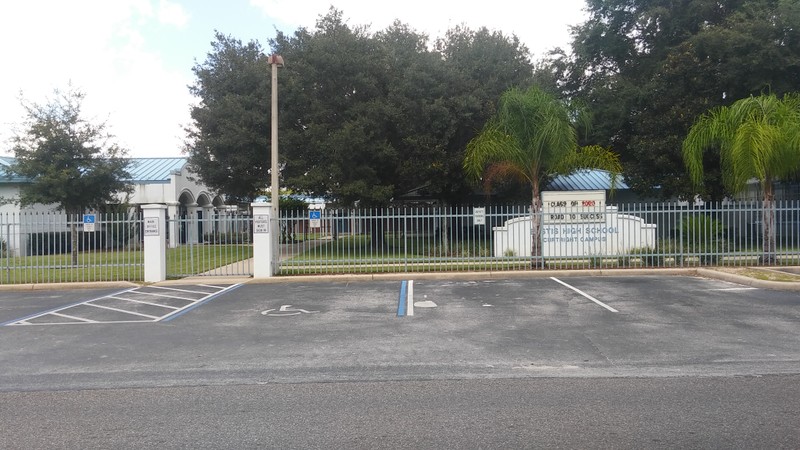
(155, 243)
(264, 260)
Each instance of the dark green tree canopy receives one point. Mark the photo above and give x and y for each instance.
(228, 142)
(364, 117)
(648, 68)
(369, 117)
(69, 160)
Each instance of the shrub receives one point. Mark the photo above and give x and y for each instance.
(703, 237)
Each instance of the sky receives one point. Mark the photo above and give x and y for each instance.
(133, 59)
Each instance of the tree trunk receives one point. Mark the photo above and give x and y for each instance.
(74, 236)
(768, 221)
(377, 238)
(537, 261)
(444, 229)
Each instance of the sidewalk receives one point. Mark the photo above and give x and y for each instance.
(747, 276)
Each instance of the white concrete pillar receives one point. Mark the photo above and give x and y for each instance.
(155, 243)
(191, 225)
(174, 224)
(208, 221)
(263, 231)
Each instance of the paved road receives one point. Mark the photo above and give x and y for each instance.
(687, 412)
(618, 362)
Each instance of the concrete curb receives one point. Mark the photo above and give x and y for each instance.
(752, 282)
(78, 285)
(522, 274)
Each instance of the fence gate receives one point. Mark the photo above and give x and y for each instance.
(211, 244)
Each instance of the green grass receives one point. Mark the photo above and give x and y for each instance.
(117, 265)
(354, 255)
(123, 265)
(395, 248)
(192, 260)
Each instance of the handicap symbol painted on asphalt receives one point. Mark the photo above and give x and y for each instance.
(285, 310)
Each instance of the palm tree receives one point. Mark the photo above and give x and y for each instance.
(531, 138)
(758, 138)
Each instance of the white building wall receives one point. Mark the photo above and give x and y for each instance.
(17, 223)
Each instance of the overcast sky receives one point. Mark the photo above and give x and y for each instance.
(133, 58)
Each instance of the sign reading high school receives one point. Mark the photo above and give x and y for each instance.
(575, 224)
(577, 216)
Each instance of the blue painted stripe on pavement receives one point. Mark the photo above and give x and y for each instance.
(206, 300)
(401, 304)
(61, 308)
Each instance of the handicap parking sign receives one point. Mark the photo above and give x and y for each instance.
(89, 223)
(314, 219)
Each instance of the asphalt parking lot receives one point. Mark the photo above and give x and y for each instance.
(646, 326)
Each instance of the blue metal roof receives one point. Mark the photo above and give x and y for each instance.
(586, 180)
(154, 170)
(142, 170)
(5, 176)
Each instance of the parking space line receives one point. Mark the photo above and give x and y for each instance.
(171, 311)
(67, 316)
(212, 286)
(123, 311)
(61, 308)
(170, 296)
(175, 314)
(585, 295)
(142, 302)
(410, 308)
(401, 302)
(180, 290)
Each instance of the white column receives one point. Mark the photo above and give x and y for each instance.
(192, 230)
(155, 243)
(208, 220)
(263, 258)
(174, 224)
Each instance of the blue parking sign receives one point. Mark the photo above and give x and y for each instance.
(314, 218)
(89, 222)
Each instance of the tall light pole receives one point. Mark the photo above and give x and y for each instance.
(275, 61)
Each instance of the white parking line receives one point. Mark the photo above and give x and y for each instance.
(172, 311)
(410, 298)
(182, 290)
(169, 296)
(143, 302)
(585, 295)
(67, 316)
(124, 311)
